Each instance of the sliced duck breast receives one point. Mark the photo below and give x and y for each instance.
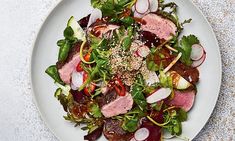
(67, 70)
(161, 27)
(183, 99)
(121, 105)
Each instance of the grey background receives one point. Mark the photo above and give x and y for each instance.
(20, 21)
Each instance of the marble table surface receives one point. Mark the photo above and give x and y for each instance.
(19, 23)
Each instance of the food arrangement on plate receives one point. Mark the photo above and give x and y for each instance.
(124, 71)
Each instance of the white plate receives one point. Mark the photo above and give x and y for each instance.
(45, 53)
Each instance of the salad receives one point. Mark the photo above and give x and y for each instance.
(124, 71)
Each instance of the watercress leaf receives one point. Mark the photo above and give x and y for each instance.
(127, 21)
(182, 115)
(165, 81)
(151, 65)
(130, 125)
(114, 20)
(150, 89)
(157, 106)
(110, 7)
(137, 93)
(103, 45)
(130, 31)
(53, 73)
(97, 92)
(95, 111)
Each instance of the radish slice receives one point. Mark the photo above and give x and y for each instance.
(96, 14)
(160, 94)
(104, 90)
(141, 134)
(197, 52)
(172, 63)
(153, 5)
(143, 51)
(133, 8)
(138, 15)
(198, 63)
(178, 81)
(142, 6)
(151, 78)
(73, 87)
(77, 79)
(133, 139)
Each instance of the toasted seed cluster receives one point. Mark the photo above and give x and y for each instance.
(126, 64)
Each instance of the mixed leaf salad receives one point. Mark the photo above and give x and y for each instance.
(124, 71)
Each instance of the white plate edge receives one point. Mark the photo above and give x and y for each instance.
(39, 31)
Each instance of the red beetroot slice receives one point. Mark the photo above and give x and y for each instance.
(199, 62)
(154, 131)
(183, 99)
(197, 52)
(142, 6)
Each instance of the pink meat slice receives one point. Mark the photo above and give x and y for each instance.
(184, 100)
(121, 105)
(66, 71)
(161, 27)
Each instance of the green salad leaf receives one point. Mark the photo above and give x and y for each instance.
(53, 73)
(186, 48)
(165, 81)
(68, 32)
(151, 65)
(130, 125)
(157, 106)
(127, 21)
(66, 44)
(175, 119)
(126, 43)
(64, 100)
(100, 55)
(64, 50)
(182, 115)
(112, 7)
(137, 93)
(95, 111)
(131, 119)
